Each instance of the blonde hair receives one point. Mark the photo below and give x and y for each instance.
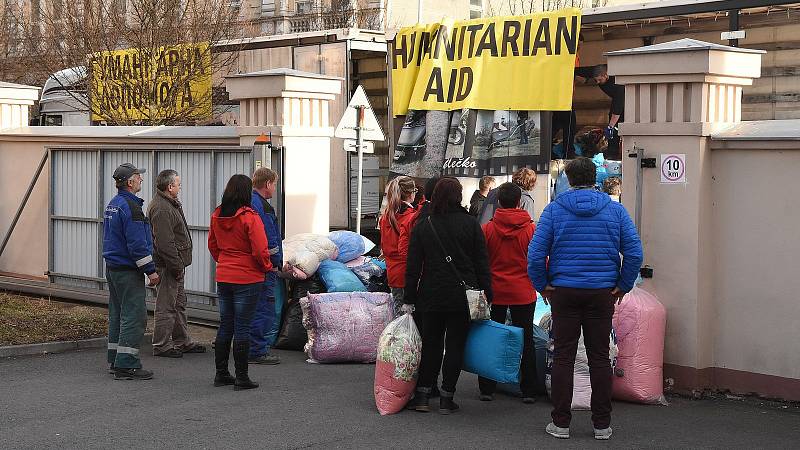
(486, 182)
(263, 176)
(397, 189)
(524, 178)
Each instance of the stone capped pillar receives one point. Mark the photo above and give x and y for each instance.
(294, 107)
(15, 101)
(676, 95)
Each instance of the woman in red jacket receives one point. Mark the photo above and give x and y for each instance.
(396, 224)
(238, 244)
(507, 237)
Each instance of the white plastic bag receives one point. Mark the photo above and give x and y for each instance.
(302, 254)
(478, 305)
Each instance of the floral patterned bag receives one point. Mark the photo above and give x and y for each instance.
(399, 354)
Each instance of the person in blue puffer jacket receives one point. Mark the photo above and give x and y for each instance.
(264, 184)
(575, 253)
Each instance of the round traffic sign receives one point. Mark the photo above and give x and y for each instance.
(673, 168)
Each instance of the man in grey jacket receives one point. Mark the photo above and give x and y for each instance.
(172, 253)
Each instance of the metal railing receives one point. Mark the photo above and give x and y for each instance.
(323, 19)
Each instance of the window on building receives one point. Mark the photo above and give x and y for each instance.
(478, 3)
(474, 14)
(303, 7)
(57, 8)
(120, 7)
(267, 7)
(36, 11)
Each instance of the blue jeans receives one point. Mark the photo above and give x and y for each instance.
(237, 302)
(263, 318)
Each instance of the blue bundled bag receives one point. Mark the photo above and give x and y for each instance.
(338, 278)
(351, 245)
(540, 340)
(494, 351)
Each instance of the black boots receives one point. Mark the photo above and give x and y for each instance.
(222, 351)
(241, 350)
(420, 402)
(446, 403)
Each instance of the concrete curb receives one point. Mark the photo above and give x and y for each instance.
(60, 346)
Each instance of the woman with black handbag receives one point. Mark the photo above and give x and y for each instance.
(447, 262)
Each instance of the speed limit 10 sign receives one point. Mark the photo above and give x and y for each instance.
(673, 168)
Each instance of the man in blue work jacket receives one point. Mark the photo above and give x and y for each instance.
(128, 253)
(264, 182)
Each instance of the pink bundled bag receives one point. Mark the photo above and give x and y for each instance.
(640, 322)
(399, 353)
(345, 326)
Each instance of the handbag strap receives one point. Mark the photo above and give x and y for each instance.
(447, 257)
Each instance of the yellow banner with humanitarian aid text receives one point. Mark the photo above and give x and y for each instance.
(522, 63)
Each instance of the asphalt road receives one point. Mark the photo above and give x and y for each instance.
(69, 401)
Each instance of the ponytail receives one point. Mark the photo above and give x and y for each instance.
(397, 189)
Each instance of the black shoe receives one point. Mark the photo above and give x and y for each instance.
(132, 374)
(486, 397)
(529, 400)
(241, 349)
(224, 379)
(196, 348)
(171, 353)
(222, 352)
(447, 405)
(265, 359)
(420, 402)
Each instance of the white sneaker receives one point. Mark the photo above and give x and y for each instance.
(557, 432)
(602, 435)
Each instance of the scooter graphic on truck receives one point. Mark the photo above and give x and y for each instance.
(411, 142)
(522, 131)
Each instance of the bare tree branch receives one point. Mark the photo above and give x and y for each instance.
(68, 34)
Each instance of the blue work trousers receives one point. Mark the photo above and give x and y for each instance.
(263, 318)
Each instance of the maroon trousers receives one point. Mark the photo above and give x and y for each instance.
(591, 310)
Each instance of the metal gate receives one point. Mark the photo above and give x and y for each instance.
(81, 187)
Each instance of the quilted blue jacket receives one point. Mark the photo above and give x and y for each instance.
(583, 233)
(271, 227)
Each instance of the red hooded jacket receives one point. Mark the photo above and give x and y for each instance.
(239, 246)
(395, 244)
(507, 237)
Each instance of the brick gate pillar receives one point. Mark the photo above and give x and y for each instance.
(294, 107)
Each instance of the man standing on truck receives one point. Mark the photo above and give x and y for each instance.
(128, 253)
(616, 115)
